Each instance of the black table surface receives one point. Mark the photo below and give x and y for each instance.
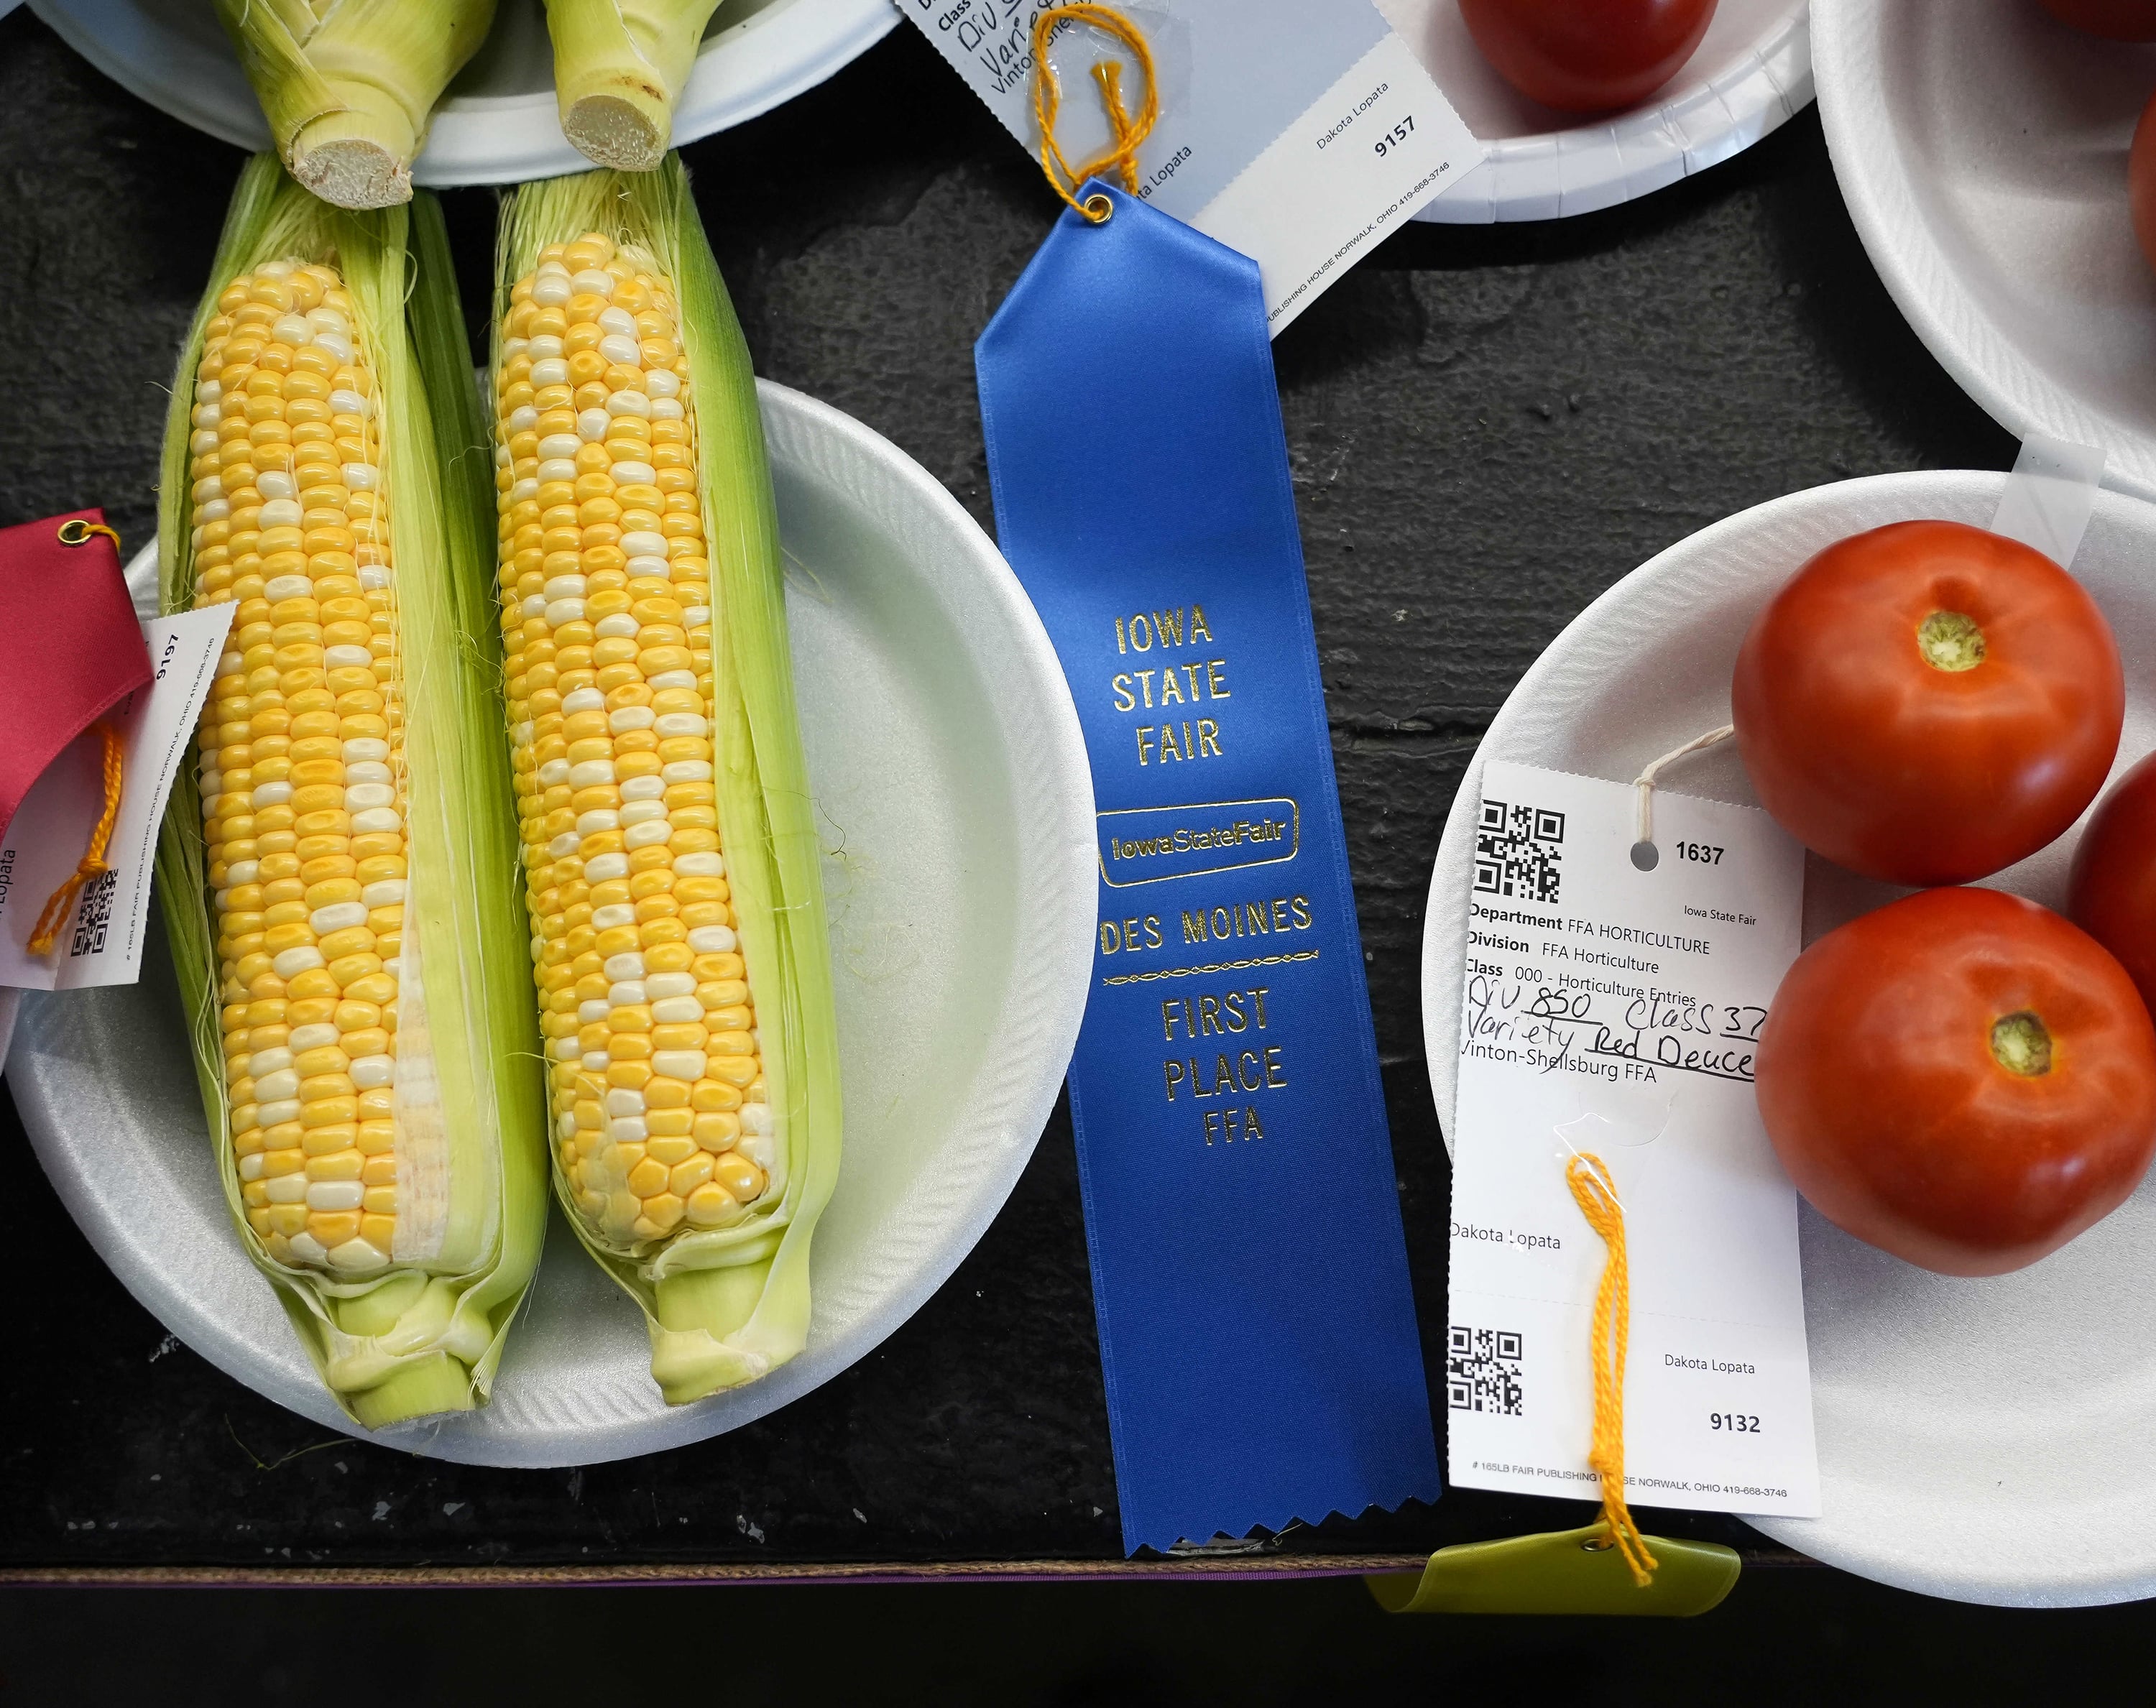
(1488, 426)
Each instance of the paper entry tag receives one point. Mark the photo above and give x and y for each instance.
(102, 943)
(1300, 135)
(1617, 1011)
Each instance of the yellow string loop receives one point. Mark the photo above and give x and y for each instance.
(47, 931)
(75, 531)
(1596, 1192)
(1126, 131)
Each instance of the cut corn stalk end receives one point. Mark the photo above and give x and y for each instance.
(676, 913)
(619, 69)
(348, 86)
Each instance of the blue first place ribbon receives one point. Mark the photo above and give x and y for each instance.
(1257, 1327)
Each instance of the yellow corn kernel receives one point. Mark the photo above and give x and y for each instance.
(307, 807)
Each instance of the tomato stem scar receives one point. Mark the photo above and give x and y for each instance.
(1950, 641)
(2020, 1045)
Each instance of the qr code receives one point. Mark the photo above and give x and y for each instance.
(94, 914)
(1518, 851)
(1482, 1371)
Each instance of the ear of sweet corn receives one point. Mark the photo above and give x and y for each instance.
(677, 915)
(334, 870)
(348, 85)
(619, 67)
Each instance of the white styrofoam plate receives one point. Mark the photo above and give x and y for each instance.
(1986, 1440)
(1981, 146)
(1750, 73)
(957, 808)
(498, 125)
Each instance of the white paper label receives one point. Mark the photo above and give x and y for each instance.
(101, 943)
(1297, 133)
(1616, 1010)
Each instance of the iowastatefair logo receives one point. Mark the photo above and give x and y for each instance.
(1518, 851)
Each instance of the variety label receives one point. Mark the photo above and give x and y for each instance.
(1613, 1006)
(1298, 134)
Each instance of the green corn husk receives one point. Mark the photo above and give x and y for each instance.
(349, 86)
(726, 1305)
(619, 67)
(415, 1340)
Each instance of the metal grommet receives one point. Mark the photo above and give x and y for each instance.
(1597, 1545)
(74, 531)
(1098, 208)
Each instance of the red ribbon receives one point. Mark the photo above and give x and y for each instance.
(70, 646)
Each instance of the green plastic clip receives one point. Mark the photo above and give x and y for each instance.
(1561, 1572)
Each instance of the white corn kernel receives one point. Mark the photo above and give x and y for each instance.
(292, 962)
(713, 939)
(679, 1064)
(386, 893)
(336, 1195)
(370, 1072)
(287, 1189)
(659, 985)
(275, 1061)
(306, 1248)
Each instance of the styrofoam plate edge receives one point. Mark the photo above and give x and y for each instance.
(1875, 180)
(741, 72)
(1561, 173)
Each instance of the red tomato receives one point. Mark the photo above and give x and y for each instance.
(1928, 702)
(2140, 180)
(2113, 894)
(1962, 1078)
(1587, 56)
(2119, 20)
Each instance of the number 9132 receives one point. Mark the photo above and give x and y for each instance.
(1735, 1422)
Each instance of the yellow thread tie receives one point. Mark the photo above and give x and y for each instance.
(47, 931)
(1126, 131)
(1595, 1192)
(75, 531)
